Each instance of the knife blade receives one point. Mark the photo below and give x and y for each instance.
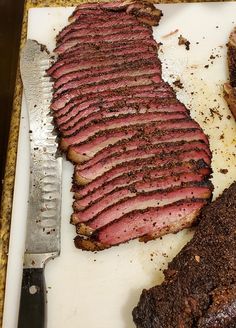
(44, 203)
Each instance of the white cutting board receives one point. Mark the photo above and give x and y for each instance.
(100, 290)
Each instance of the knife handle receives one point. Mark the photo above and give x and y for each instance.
(32, 312)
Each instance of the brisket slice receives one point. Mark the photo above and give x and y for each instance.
(111, 122)
(146, 224)
(90, 49)
(134, 189)
(67, 45)
(144, 12)
(137, 141)
(106, 98)
(129, 33)
(82, 57)
(98, 15)
(142, 200)
(105, 35)
(115, 84)
(202, 277)
(116, 104)
(149, 70)
(96, 142)
(115, 108)
(144, 151)
(125, 167)
(96, 27)
(137, 64)
(84, 195)
(85, 65)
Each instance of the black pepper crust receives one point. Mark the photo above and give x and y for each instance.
(232, 63)
(137, 126)
(200, 283)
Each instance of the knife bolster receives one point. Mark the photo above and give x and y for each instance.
(32, 261)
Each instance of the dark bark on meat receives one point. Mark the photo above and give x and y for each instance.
(232, 58)
(199, 290)
(230, 88)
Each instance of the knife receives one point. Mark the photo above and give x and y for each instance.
(44, 203)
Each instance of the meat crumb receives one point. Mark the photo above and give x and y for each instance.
(215, 112)
(183, 41)
(178, 84)
(224, 171)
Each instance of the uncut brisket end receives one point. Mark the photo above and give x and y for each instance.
(142, 164)
(230, 88)
(231, 56)
(199, 290)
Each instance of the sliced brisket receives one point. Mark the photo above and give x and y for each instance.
(143, 164)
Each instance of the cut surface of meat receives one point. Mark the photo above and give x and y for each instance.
(99, 71)
(149, 90)
(159, 219)
(105, 35)
(146, 151)
(94, 142)
(87, 194)
(123, 82)
(151, 222)
(142, 164)
(81, 58)
(95, 27)
(83, 51)
(67, 45)
(141, 200)
(125, 167)
(86, 65)
(137, 141)
(144, 12)
(202, 277)
(153, 70)
(87, 214)
(115, 109)
(89, 49)
(111, 122)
